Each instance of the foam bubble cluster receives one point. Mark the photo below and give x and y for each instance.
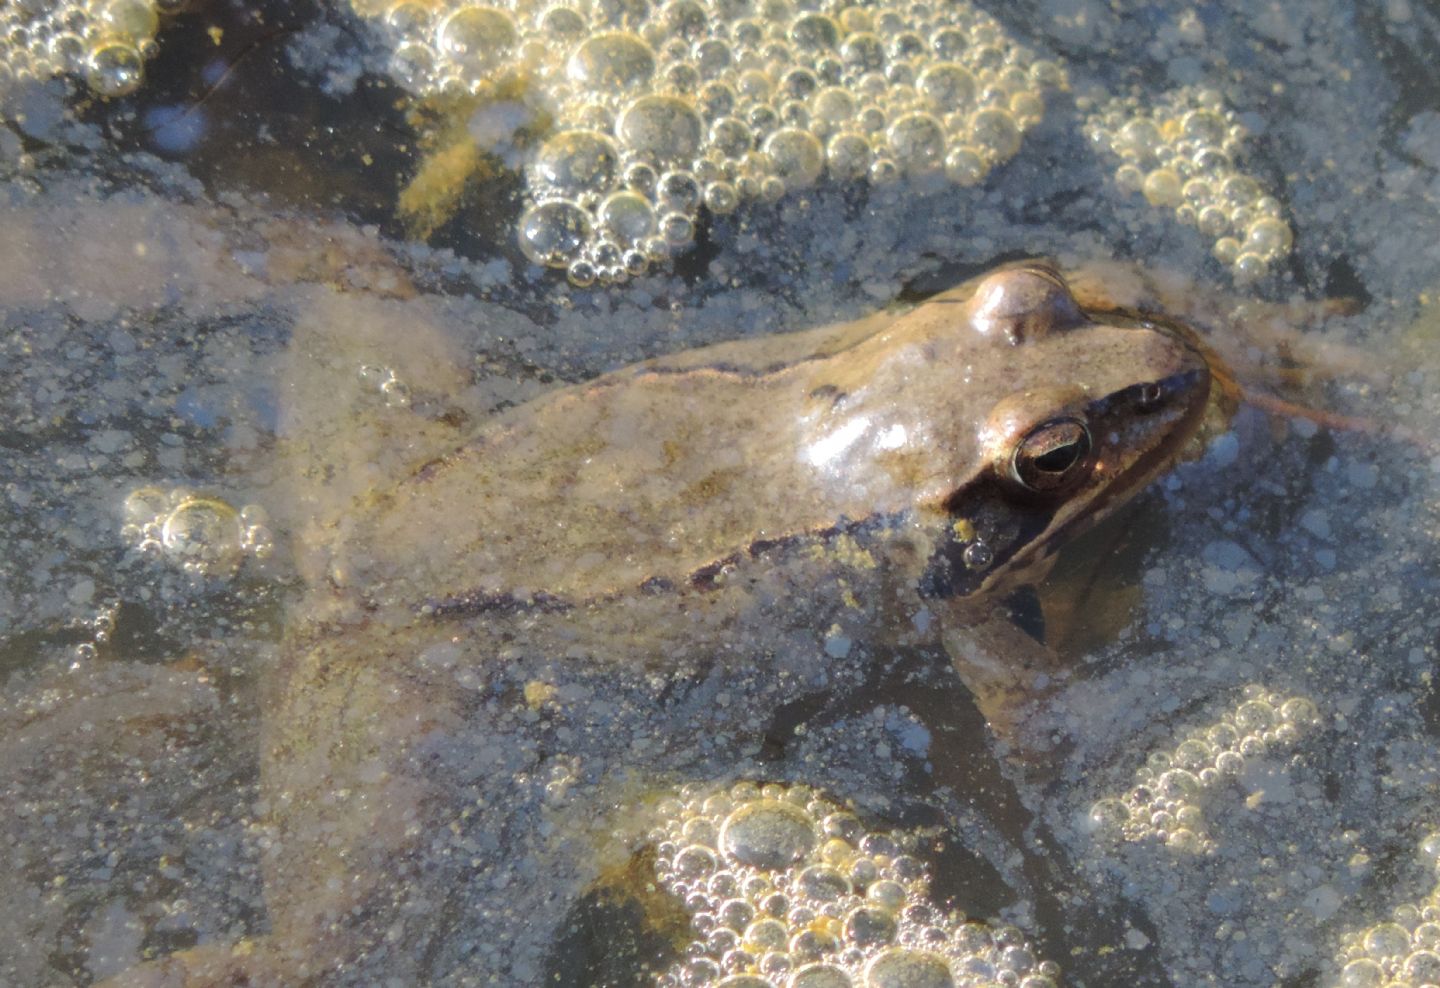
(203, 535)
(788, 890)
(1180, 154)
(1402, 951)
(1165, 802)
(106, 42)
(663, 110)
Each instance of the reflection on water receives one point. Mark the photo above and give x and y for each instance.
(224, 339)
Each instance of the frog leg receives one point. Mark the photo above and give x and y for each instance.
(1009, 674)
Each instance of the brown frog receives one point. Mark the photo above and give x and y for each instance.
(545, 618)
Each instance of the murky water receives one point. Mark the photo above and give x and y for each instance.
(229, 295)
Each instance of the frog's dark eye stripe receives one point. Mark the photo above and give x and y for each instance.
(1052, 457)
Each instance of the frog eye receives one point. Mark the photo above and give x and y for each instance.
(1053, 456)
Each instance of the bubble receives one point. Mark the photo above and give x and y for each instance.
(832, 105)
(678, 192)
(1423, 967)
(799, 84)
(869, 926)
(1212, 221)
(814, 32)
(581, 274)
(762, 119)
(694, 862)
(115, 69)
(1254, 716)
(819, 976)
(1027, 109)
(772, 189)
(721, 198)
(641, 178)
(664, 128)
(627, 216)
(862, 52)
(796, 156)
(682, 78)
(947, 87)
(684, 19)
(574, 162)
(1162, 187)
(1139, 138)
(553, 233)
(731, 137)
(744, 981)
(144, 505)
(563, 23)
(753, 86)
(712, 57)
(1108, 815)
(766, 933)
(1269, 237)
(478, 39)
(1386, 940)
(994, 134)
(1362, 974)
(135, 20)
(767, 834)
(611, 60)
(900, 967)
(822, 883)
(204, 535)
(965, 167)
(847, 156)
(735, 914)
(413, 64)
(677, 229)
(918, 143)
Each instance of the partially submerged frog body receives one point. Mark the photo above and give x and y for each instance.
(573, 592)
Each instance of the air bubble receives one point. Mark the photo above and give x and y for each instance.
(721, 198)
(677, 229)
(796, 157)
(814, 32)
(554, 232)
(477, 39)
(574, 162)
(900, 967)
(204, 535)
(947, 87)
(662, 128)
(819, 976)
(613, 60)
(767, 834)
(1269, 238)
(918, 143)
(628, 217)
(994, 133)
(115, 70)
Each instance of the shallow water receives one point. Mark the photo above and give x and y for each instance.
(161, 252)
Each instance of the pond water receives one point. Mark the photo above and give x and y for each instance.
(260, 261)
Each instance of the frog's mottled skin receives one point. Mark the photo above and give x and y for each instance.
(592, 571)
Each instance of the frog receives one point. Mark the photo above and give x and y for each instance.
(589, 569)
